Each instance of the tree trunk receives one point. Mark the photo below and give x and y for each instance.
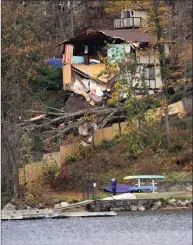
(162, 67)
(119, 120)
(167, 127)
(71, 19)
(16, 187)
(86, 12)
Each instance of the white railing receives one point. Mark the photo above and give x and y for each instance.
(127, 22)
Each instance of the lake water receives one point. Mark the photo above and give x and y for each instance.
(130, 228)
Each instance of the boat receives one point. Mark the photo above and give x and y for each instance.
(121, 188)
(125, 196)
(138, 187)
(124, 188)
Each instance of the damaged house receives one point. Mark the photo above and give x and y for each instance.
(83, 60)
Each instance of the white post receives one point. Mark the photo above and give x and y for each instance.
(153, 184)
(138, 182)
(94, 186)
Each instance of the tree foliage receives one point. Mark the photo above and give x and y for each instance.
(25, 45)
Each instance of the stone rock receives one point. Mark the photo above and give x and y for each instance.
(41, 205)
(13, 201)
(57, 205)
(64, 204)
(189, 188)
(133, 208)
(157, 205)
(56, 201)
(190, 202)
(29, 208)
(187, 203)
(181, 203)
(116, 209)
(122, 208)
(32, 204)
(17, 202)
(141, 208)
(9, 206)
(172, 202)
(23, 206)
(74, 201)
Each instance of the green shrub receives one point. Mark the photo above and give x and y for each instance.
(178, 176)
(154, 137)
(184, 124)
(46, 78)
(76, 155)
(6, 197)
(50, 173)
(37, 143)
(108, 145)
(133, 144)
(73, 157)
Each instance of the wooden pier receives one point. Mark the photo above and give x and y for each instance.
(22, 215)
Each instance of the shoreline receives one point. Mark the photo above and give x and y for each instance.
(97, 209)
(174, 208)
(74, 214)
(89, 207)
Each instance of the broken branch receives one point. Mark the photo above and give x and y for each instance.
(98, 111)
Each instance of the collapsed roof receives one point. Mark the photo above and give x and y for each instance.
(117, 36)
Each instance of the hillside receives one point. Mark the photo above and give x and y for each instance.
(34, 119)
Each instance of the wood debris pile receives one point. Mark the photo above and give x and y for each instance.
(52, 125)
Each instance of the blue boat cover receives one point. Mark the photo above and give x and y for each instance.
(121, 188)
(143, 188)
(55, 62)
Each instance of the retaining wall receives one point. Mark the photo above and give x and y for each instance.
(122, 205)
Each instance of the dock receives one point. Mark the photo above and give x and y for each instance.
(44, 214)
(74, 205)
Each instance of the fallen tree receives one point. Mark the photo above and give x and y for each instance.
(49, 124)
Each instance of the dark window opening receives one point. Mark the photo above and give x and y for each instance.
(143, 46)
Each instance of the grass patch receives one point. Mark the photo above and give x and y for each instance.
(178, 177)
(185, 196)
(179, 197)
(6, 197)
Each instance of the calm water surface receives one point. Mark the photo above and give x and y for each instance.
(131, 228)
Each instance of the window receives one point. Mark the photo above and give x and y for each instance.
(149, 73)
(143, 46)
(127, 14)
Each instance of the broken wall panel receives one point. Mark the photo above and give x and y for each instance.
(67, 75)
(117, 51)
(92, 71)
(109, 133)
(68, 54)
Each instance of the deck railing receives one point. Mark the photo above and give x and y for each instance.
(127, 22)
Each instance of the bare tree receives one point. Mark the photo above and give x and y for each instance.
(71, 19)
